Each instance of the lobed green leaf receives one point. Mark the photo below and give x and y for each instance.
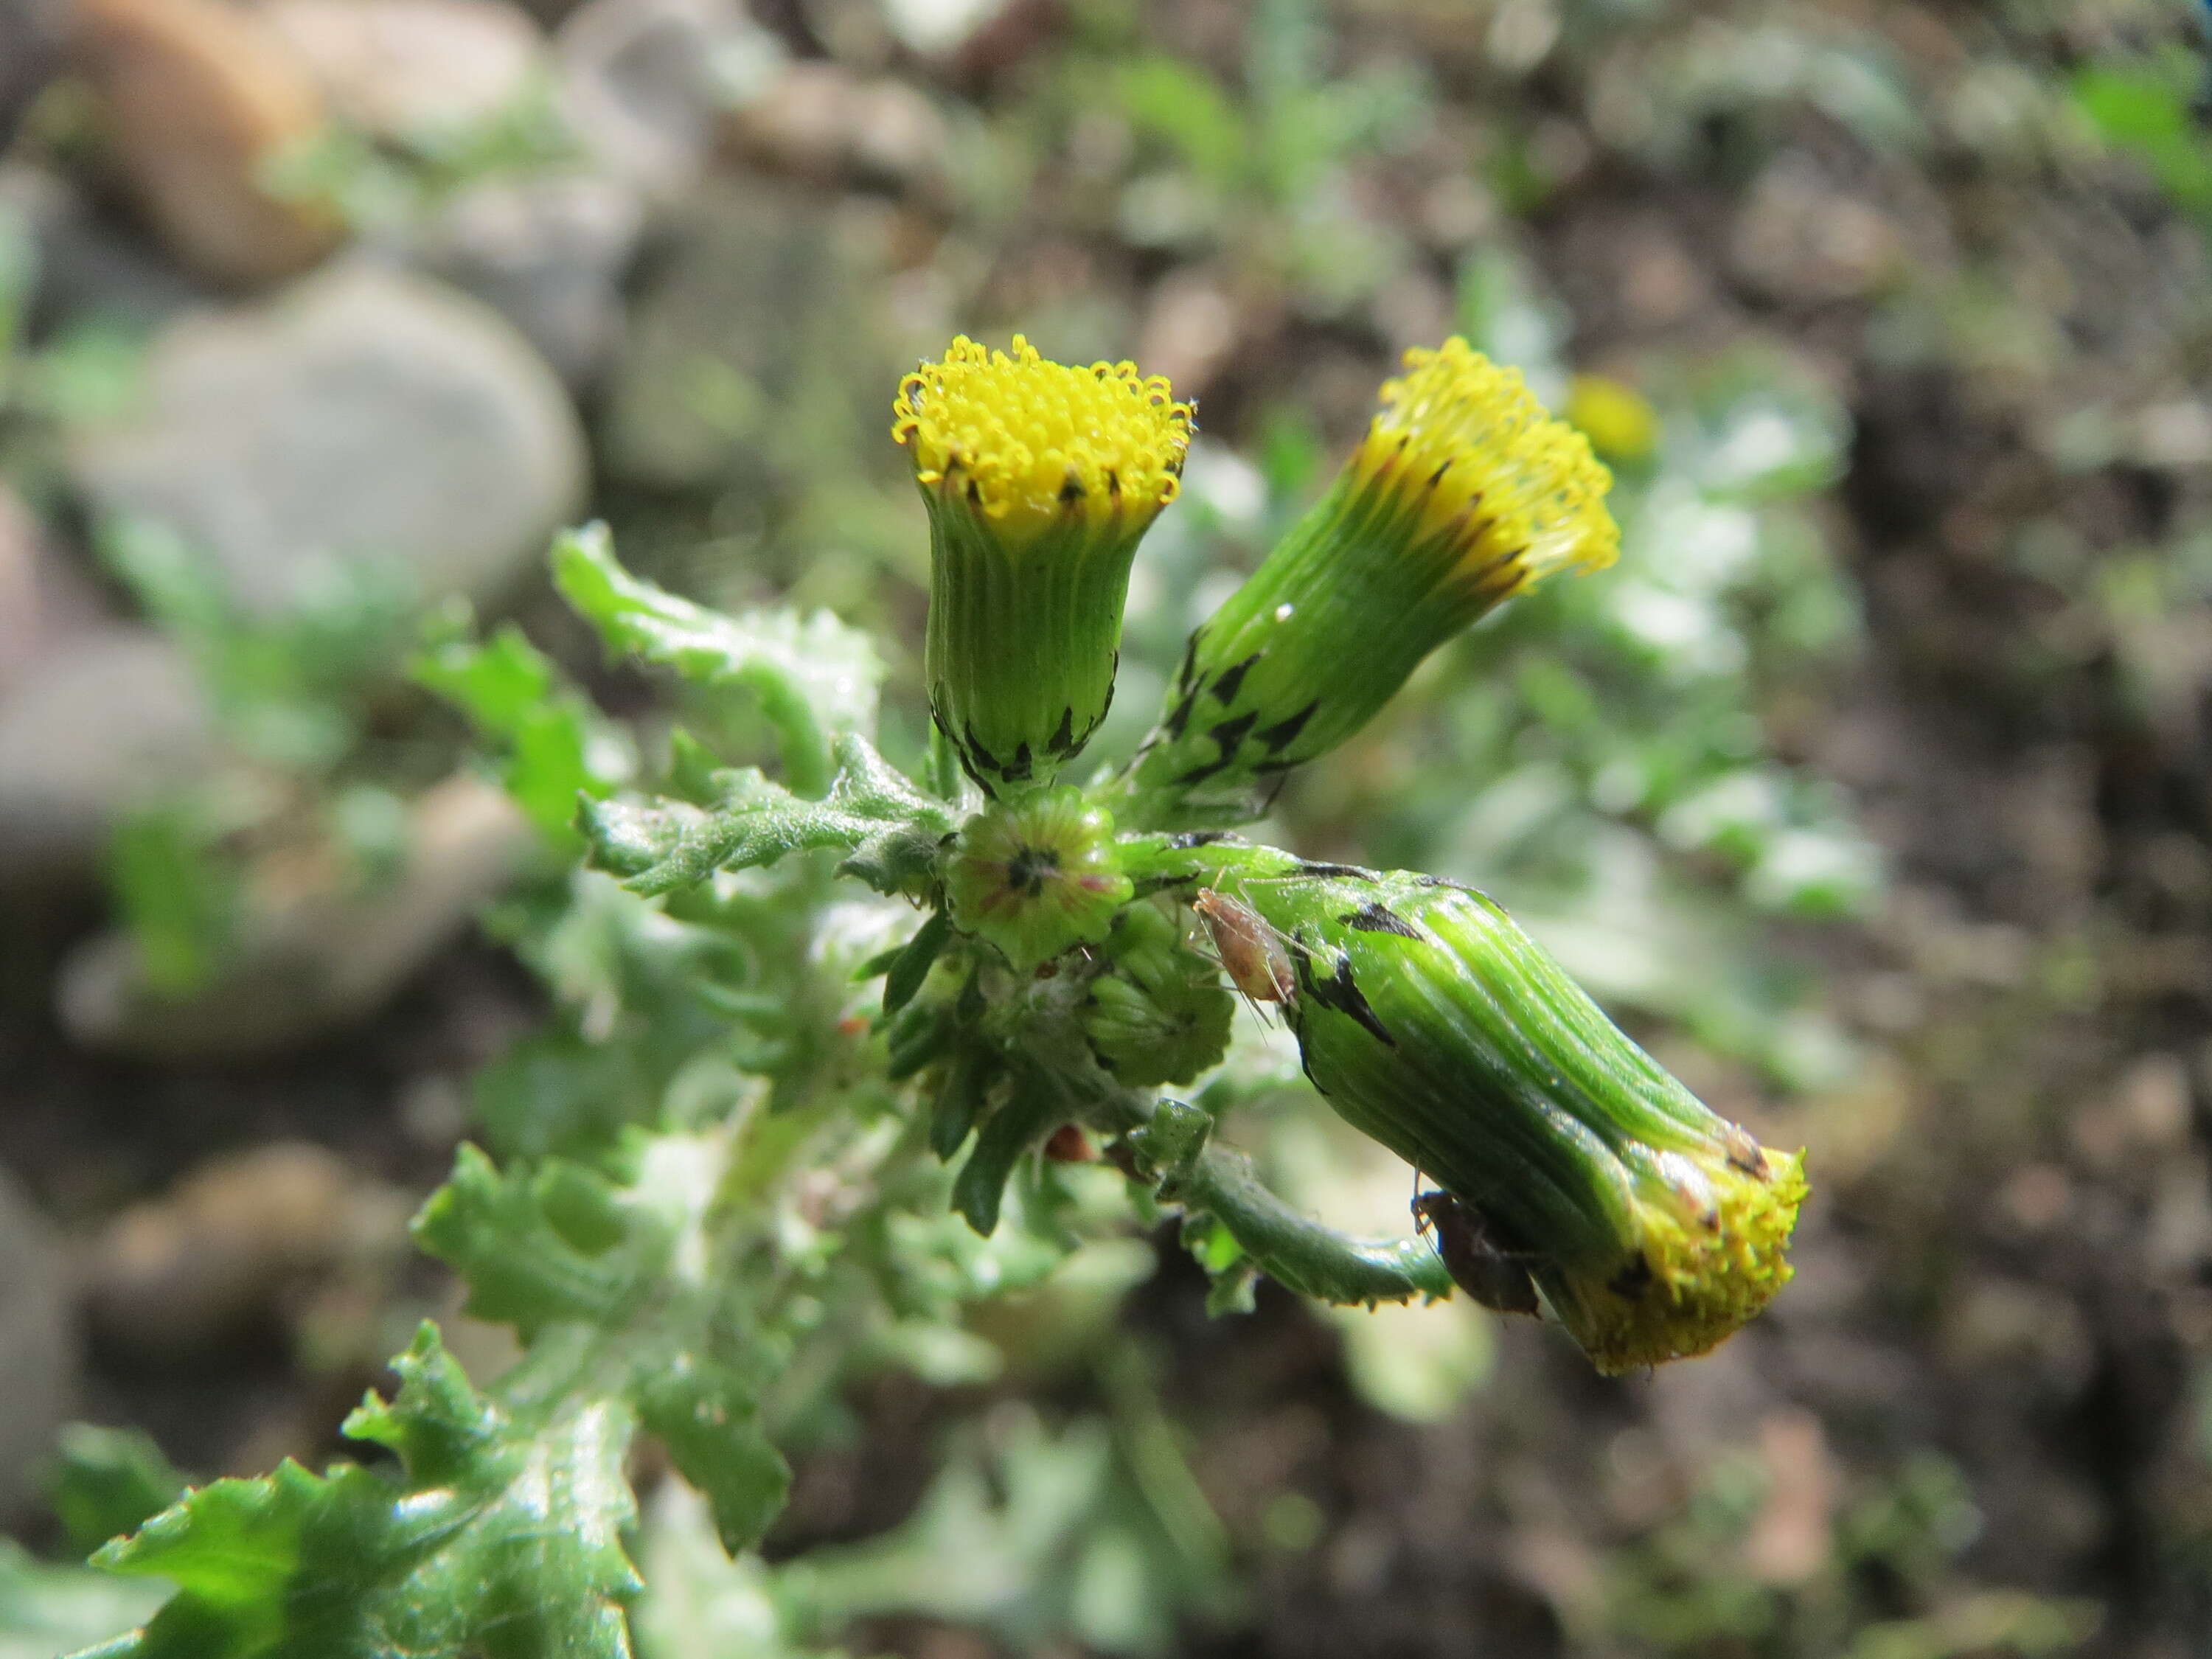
(815, 678)
(497, 1537)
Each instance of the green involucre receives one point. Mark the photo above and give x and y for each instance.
(1023, 640)
(1653, 1227)
(1463, 493)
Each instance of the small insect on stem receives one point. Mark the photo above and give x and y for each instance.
(1251, 951)
(1494, 1277)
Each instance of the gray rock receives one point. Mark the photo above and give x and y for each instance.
(311, 960)
(45, 602)
(646, 83)
(363, 414)
(107, 722)
(90, 264)
(30, 52)
(411, 69)
(239, 1242)
(820, 121)
(19, 588)
(196, 98)
(547, 254)
(1801, 238)
(38, 1343)
(766, 302)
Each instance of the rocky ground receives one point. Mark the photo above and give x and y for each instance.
(661, 260)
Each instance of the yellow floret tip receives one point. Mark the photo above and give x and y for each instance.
(1519, 494)
(1715, 1236)
(1033, 444)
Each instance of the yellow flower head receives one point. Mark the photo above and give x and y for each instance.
(1715, 1227)
(1519, 494)
(1033, 444)
(1617, 419)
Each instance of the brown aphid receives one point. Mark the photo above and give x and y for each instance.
(1069, 1145)
(1495, 1277)
(1251, 951)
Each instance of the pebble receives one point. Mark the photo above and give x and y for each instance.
(410, 70)
(235, 1245)
(646, 84)
(312, 959)
(111, 722)
(38, 1345)
(1190, 328)
(19, 588)
(1801, 238)
(549, 254)
(363, 414)
(199, 96)
(45, 602)
(30, 52)
(819, 121)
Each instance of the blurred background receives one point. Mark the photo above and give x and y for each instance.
(1870, 788)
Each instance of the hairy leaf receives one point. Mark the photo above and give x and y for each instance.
(815, 678)
(891, 828)
(613, 1282)
(499, 1535)
(557, 745)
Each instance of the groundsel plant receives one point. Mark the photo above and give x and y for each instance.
(841, 1051)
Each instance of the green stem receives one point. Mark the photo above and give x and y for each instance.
(1169, 1143)
(1302, 1255)
(1154, 862)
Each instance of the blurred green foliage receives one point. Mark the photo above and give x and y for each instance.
(1882, 1587)
(2149, 111)
(294, 692)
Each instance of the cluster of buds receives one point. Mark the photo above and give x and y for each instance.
(1574, 1176)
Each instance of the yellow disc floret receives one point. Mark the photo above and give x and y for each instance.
(1033, 444)
(1715, 1230)
(1518, 492)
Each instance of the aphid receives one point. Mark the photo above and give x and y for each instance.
(1069, 1145)
(1251, 951)
(1495, 1278)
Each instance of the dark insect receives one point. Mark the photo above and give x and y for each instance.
(1493, 1276)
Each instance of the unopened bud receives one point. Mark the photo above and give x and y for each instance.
(1037, 876)
(1463, 493)
(1653, 1227)
(1159, 1014)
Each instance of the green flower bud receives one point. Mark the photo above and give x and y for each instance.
(1160, 1014)
(1463, 493)
(1040, 480)
(1037, 876)
(1653, 1228)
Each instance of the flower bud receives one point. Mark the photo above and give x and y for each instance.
(1040, 480)
(1463, 493)
(1160, 1013)
(1037, 876)
(1652, 1227)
